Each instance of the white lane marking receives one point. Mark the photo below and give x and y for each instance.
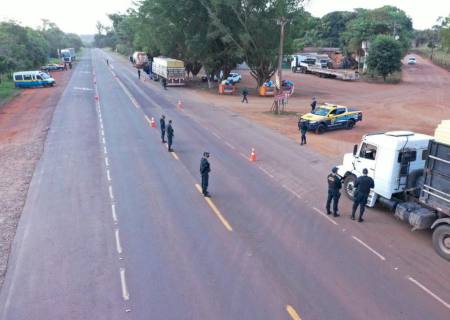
(368, 247)
(266, 172)
(113, 212)
(130, 96)
(111, 195)
(106, 161)
(118, 246)
(230, 145)
(103, 140)
(243, 155)
(108, 175)
(101, 125)
(105, 151)
(325, 215)
(102, 132)
(292, 191)
(83, 89)
(123, 282)
(216, 135)
(435, 296)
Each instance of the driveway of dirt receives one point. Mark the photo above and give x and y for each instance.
(418, 103)
(24, 123)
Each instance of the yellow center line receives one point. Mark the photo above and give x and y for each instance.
(215, 210)
(294, 315)
(175, 155)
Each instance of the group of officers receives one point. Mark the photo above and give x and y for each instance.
(205, 167)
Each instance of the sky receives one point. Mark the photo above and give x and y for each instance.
(81, 16)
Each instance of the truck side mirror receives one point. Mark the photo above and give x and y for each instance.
(355, 149)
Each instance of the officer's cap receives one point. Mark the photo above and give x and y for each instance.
(206, 154)
(365, 171)
(334, 170)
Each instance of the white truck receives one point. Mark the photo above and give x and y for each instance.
(318, 65)
(68, 54)
(172, 70)
(140, 59)
(411, 172)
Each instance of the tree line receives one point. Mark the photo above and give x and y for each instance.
(218, 34)
(23, 48)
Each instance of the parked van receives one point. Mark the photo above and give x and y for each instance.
(32, 79)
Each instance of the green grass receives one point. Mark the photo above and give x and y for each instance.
(7, 90)
(440, 57)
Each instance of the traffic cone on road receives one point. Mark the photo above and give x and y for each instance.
(253, 155)
(180, 104)
(153, 123)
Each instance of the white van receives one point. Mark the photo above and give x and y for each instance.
(25, 79)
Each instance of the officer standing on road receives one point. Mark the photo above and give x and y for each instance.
(139, 74)
(205, 169)
(164, 83)
(244, 95)
(170, 136)
(107, 62)
(362, 189)
(162, 125)
(303, 127)
(334, 185)
(313, 104)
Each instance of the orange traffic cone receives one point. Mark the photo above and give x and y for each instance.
(253, 155)
(180, 104)
(153, 123)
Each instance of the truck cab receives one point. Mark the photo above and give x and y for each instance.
(395, 160)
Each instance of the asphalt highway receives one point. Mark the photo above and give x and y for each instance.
(114, 226)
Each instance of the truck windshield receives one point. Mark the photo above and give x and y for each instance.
(321, 111)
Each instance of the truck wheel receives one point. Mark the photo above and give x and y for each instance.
(441, 241)
(350, 124)
(321, 129)
(349, 186)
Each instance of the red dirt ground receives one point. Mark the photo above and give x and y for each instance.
(24, 122)
(418, 103)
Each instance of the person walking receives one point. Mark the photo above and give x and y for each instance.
(139, 74)
(170, 136)
(334, 185)
(162, 125)
(205, 169)
(303, 127)
(65, 66)
(313, 104)
(244, 95)
(107, 62)
(362, 189)
(70, 65)
(164, 83)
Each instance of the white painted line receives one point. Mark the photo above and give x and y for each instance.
(266, 172)
(105, 151)
(325, 216)
(243, 155)
(106, 161)
(118, 246)
(108, 175)
(216, 135)
(123, 282)
(101, 125)
(102, 132)
(230, 145)
(292, 191)
(368, 247)
(111, 195)
(113, 211)
(435, 296)
(103, 140)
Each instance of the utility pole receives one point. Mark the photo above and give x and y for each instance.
(281, 22)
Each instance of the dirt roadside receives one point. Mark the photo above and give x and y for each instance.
(418, 103)
(24, 123)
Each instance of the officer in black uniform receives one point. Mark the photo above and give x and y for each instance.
(162, 125)
(139, 73)
(334, 185)
(205, 168)
(362, 189)
(303, 127)
(170, 136)
(313, 104)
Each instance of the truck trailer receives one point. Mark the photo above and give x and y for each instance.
(318, 65)
(411, 172)
(171, 70)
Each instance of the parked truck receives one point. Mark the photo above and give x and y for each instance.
(171, 70)
(411, 172)
(140, 59)
(66, 55)
(319, 65)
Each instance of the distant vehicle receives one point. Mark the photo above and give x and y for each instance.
(318, 65)
(170, 69)
(52, 67)
(66, 55)
(25, 79)
(140, 59)
(234, 77)
(411, 175)
(330, 116)
(412, 60)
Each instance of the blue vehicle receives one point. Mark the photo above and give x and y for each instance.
(26, 79)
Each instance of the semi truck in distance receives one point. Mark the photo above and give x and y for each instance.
(68, 55)
(140, 59)
(172, 70)
(411, 172)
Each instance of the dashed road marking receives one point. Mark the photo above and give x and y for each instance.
(369, 248)
(325, 216)
(216, 135)
(105, 151)
(148, 120)
(103, 140)
(435, 296)
(113, 212)
(123, 282)
(106, 161)
(291, 311)
(266, 172)
(102, 132)
(292, 191)
(215, 210)
(175, 155)
(230, 145)
(118, 246)
(243, 155)
(108, 175)
(111, 195)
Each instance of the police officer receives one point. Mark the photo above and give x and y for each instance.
(205, 168)
(170, 136)
(313, 104)
(162, 125)
(334, 185)
(164, 83)
(362, 189)
(303, 127)
(139, 73)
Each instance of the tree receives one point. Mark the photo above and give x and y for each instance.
(385, 55)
